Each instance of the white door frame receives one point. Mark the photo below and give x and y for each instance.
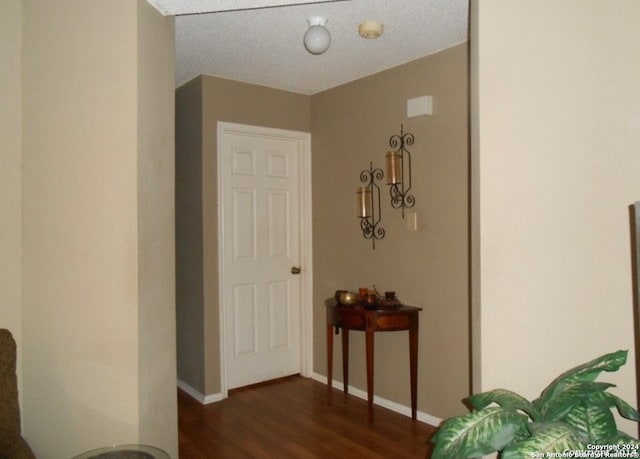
(306, 281)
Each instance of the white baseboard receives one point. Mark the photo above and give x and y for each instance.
(393, 406)
(204, 399)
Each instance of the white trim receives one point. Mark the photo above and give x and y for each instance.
(306, 258)
(383, 402)
(221, 273)
(306, 242)
(194, 393)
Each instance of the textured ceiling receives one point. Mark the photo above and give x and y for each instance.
(260, 41)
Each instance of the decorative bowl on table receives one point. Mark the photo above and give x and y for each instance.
(371, 301)
(390, 301)
(347, 298)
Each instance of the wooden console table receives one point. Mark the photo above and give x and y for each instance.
(370, 321)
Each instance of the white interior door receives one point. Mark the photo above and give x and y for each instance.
(260, 244)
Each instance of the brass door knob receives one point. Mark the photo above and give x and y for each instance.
(295, 270)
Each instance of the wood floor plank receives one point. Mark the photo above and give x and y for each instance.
(290, 418)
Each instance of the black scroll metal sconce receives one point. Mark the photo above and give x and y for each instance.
(399, 171)
(368, 202)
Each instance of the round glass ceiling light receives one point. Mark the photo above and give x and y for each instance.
(317, 38)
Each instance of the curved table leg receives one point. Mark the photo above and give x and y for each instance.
(329, 361)
(369, 351)
(413, 367)
(345, 360)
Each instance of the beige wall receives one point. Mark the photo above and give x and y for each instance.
(10, 172)
(157, 403)
(351, 126)
(556, 165)
(93, 151)
(189, 230)
(234, 102)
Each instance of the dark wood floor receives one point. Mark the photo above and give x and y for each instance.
(290, 418)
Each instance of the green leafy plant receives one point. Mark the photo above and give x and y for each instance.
(573, 413)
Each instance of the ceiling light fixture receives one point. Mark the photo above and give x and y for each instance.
(317, 38)
(371, 29)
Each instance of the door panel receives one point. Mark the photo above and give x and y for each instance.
(279, 336)
(245, 320)
(279, 221)
(260, 243)
(244, 224)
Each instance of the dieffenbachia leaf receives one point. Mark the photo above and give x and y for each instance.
(586, 372)
(548, 437)
(626, 439)
(593, 419)
(477, 433)
(572, 394)
(506, 399)
(625, 410)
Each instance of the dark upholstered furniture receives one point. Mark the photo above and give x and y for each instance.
(12, 444)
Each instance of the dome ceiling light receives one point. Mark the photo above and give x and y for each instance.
(317, 38)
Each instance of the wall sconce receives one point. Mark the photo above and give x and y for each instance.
(317, 38)
(399, 171)
(368, 204)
